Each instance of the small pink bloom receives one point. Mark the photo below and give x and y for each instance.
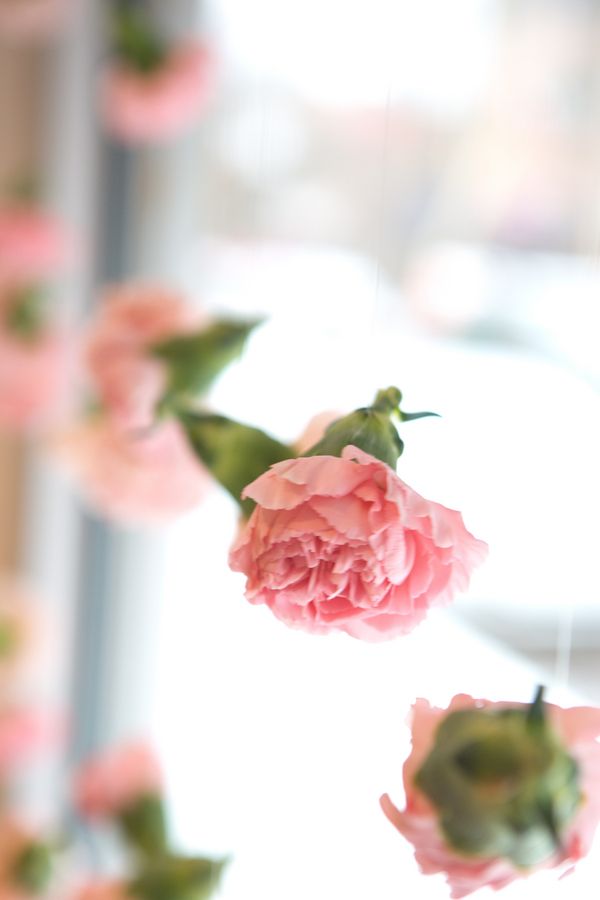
(140, 107)
(34, 246)
(33, 377)
(579, 729)
(136, 478)
(112, 783)
(127, 380)
(344, 544)
(24, 20)
(23, 734)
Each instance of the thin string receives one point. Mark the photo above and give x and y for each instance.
(383, 186)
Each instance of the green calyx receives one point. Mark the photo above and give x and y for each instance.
(143, 825)
(194, 361)
(177, 878)
(502, 782)
(25, 317)
(136, 42)
(33, 869)
(370, 428)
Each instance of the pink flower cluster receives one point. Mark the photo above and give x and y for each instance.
(140, 107)
(579, 729)
(343, 543)
(34, 369)
(113, 782)
(132, 467)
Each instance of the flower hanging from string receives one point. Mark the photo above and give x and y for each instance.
(152, 92)
(496, 791)
(146, 352)
(334, 539)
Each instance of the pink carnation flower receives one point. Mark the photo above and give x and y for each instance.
(128, 381)
(23, 734)
(578, 728)
(134, 478)
(112, 783)
(344, 544)
(32, 19)
(33, 378)
(34, 246)
(159, 105)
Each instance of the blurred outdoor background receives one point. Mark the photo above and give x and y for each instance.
(408, 193)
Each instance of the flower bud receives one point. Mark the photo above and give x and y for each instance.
(369, 428)
(33, 868)
(502, 783)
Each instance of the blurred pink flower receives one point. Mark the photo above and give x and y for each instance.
(127, 380)
(23, 734)
(34, 246)
(33, 377)
(24, 20)
(344, 544)
(114, 782)
(578, 727)
(135, 478)
(161, 104)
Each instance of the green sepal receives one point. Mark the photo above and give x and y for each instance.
(370, 429)
(501, 787)
(177, 878)
(33, 869)
(195, 360)
(234, 453)
(136, 41)
(25, 317)
(143, 825)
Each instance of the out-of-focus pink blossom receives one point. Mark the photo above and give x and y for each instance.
(126, 379)
(23, 734)
(34, 246)
(344, 544)
(135, 478)
(114, 782)
(156, 106)
(579, 729)
(33, 377)
(32, 20)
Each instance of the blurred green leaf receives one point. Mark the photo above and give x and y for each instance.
(177, 878)
(136, 41)
(195, 360)
(33, 868)
(236, 454)
(144, 826)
